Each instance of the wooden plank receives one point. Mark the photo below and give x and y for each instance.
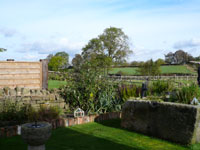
(10, 82)
(18, 76)
(20, 72)
(44, 73)
(20, 67)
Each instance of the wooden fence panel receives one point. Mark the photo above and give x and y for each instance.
(22, 74)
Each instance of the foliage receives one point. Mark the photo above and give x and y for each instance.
(186, 94)
(160, 61)
(77, 61)
(49, 113)
(150, 68)
(58, 62)
(160, 87)
(13, 112)
(127, 91)
(2, 49)
(112, 47)
(88, 90)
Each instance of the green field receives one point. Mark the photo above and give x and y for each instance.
(107, 135)
(55, 84)
(179, 69)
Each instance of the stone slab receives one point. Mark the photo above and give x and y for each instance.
(171, 121)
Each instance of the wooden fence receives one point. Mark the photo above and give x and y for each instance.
(176, 78)
(33, 75)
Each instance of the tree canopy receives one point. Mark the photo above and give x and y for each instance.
(58, 62)
(2, 49)
(112, 44)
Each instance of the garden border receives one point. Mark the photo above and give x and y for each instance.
(10, 131)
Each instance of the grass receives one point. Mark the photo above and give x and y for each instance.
(125, 70)
(178, 69)
(97, 136)
(55, 84)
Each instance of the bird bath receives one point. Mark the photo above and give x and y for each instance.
(36, 134)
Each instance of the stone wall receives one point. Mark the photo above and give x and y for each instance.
(35, 97)
(174, 122)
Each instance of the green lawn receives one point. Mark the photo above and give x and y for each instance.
(55, 84)
(179, 69)
(125, 70)
(97, 136)
(175, 69)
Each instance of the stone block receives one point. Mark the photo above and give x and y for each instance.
(52, 97)
(18, 91)
(13, 92)
(1, 93)
(170, 121)
(26, 98)
(26, 92)
(6, 91)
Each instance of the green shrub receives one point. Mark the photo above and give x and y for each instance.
(160, 87)
(88, 90)
(186, 94)
(127, 91)
(49, 113)
(13, 112)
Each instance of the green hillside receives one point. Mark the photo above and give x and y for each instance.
(171, 69)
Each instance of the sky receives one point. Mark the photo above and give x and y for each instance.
(31, 30)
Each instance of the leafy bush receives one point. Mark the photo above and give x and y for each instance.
(88, 90)
(160, 87)
(13, 112)
(49, 113)
(127, 91)
(186, 94)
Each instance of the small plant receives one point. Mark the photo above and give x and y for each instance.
(160, 87)
(127, 91)
(186, 94)
(49, 113)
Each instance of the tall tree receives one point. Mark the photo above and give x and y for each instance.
(58, 62)
(150, 68)
(112, 44)
(77, 61)
(65, 57)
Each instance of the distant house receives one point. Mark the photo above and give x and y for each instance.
(170, 58)
(179, 57)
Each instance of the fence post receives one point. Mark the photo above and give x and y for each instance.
(44, 73)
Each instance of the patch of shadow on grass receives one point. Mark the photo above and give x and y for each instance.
(69, 139)
(116, 123)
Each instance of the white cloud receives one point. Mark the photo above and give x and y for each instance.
(7, 32)
(195, 42)
(50, 46)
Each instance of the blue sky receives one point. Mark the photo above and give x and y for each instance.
(30, 30)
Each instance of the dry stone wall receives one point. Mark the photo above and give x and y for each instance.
(174, 122)
(34, 97)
